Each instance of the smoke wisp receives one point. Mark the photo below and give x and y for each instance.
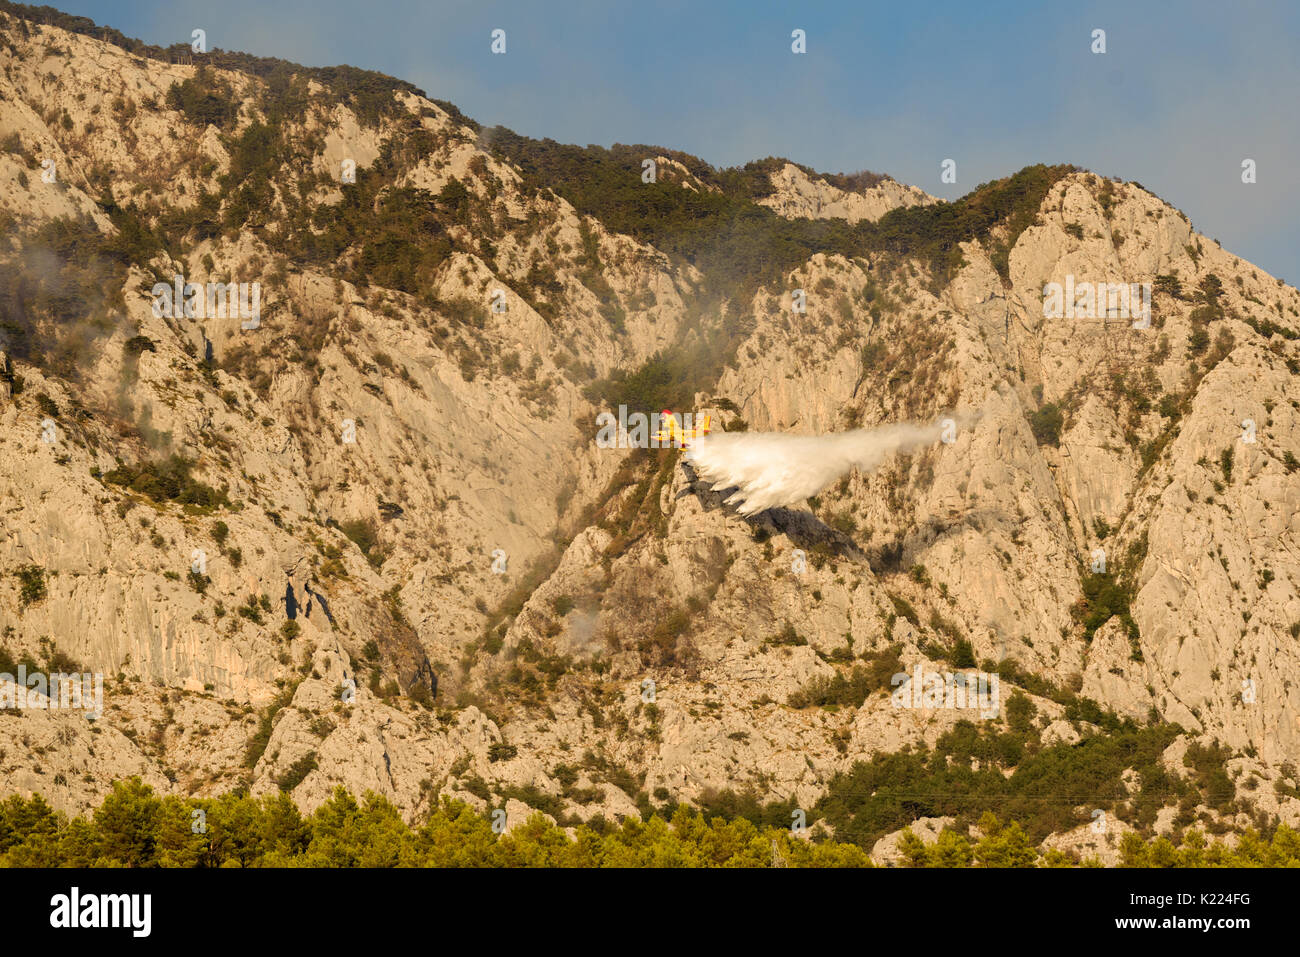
(773, 469)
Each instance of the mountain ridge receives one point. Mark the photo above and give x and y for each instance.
(472, 433)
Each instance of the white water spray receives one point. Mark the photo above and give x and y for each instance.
(774, 469)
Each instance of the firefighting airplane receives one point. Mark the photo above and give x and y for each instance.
(676, 435)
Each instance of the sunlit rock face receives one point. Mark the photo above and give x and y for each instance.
(395, 558)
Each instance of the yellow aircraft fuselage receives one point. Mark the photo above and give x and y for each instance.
(676, 435)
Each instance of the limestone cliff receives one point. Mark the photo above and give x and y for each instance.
(388, 552)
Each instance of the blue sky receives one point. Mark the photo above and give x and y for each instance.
(1183, 93)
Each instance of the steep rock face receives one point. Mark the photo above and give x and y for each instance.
(1216, 565)
(382, 413)
(414, 494)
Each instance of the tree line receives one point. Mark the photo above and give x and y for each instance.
(136, 827)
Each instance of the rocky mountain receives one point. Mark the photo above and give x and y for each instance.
(361, 532)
